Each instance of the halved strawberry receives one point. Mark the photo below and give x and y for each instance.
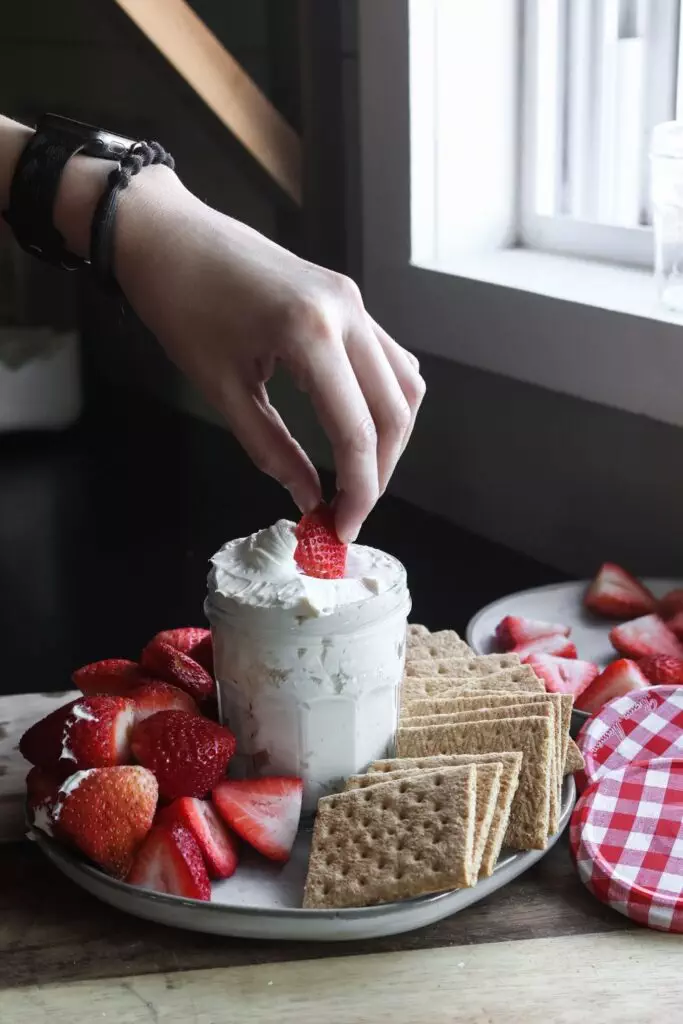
(319, 552)
(219, 847)
(621, 677)
(157, 696)
(263, 811)
(42, 743)
(661, 668)
(560, 646)
(515, 629)
(97, 732)
(42, 788)
(675, 624)
(617, 594)
(644, 636)
(170, 861)
(563, 675)
(191, 640)
(187, 753)
(107, 812)
(671, 604)
(113, 676)
(179, 669)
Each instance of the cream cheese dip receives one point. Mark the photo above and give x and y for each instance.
(308, 669)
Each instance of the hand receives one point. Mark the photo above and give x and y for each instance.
(227, 304)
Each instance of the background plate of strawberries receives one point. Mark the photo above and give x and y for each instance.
(596, 639)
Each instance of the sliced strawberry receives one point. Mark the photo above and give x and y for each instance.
(157, 696)
(617, 594)
(264, 811)
(107, 812)
(42, 743)
(191, 640)
(644, 636)
(319, 552)
(187, 753)
(515, 629)
(621, 677)
(219, 847)
(671, 604)
(675, 624)
(661, 668)
(97, 732)
(560, 646)
(170, 861)
(114, 676)
(42, 788)
(179, 669)
(563, 675)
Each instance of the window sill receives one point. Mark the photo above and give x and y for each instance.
(590, 330)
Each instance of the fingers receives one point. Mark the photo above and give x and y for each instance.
(391, 414)
(262, 433)
(407, 370)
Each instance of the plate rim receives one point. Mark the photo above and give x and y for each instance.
(56, 852)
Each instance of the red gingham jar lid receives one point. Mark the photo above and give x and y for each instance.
(635, 727)
(626, 835)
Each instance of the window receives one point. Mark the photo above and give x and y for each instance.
(495, 231)
(597, 75)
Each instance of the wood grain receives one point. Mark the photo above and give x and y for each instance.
(624, 978)
(217, 78)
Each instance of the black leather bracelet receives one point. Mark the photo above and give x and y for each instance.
(141, 154)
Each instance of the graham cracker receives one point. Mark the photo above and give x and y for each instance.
(546, 707)
(532, 735)
(505, 680)
(575, 761)
(511, 761)
(469, 699)
(393, 841)
(489, 777)
(443, 644)
(458, 667)
(417, 633)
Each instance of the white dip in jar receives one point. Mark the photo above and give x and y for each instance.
(308, 670)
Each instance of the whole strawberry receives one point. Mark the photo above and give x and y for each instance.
(178, 669)
(187, 753)
(91, 732)
(157, 696)
(662, 668)
(106, 813)
(319, 552)
(191, 640)
(113, 676)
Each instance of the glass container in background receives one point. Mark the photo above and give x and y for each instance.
(666, 156)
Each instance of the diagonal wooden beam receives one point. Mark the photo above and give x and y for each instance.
(220, 81)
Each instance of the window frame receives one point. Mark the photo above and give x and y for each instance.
(585, 329)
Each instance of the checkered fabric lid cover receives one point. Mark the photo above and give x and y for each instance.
(626, 836)
(636, 727)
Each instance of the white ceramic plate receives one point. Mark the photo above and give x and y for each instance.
(559, 602)
(263, 901)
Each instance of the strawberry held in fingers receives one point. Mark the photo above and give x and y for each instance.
(621, 677)
(171, 665)
(106, 813)
(560, 646)
(563, 675)
(616, 594)
(112, 676)
(265, 812)
(191, 640)
(319, 552)
(647, 635)
(170, 861)
(660, 668)
(515, 629)
(219, 847)
(187, 753)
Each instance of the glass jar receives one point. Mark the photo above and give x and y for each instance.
(666, 157)
(316, 697)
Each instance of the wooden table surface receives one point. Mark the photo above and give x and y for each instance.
(539, 950)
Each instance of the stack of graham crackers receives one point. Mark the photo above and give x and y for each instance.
(481, 753)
